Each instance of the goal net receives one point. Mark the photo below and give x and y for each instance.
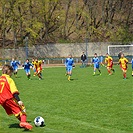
(114, 50)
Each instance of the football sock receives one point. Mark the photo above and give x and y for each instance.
(124, 74)
(132, 73)
(23, 118)
(28, 76)
(69, 77)
(99, 71)
(109, 71)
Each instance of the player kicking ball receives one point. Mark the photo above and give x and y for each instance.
(9, 98)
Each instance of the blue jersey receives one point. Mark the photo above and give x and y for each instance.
(14, 64)
(69, 62)
(132, 63)
(27, 65)
(95, 60)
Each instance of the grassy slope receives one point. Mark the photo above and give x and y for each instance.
(87, 104)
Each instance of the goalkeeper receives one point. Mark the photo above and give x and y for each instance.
(9, 98)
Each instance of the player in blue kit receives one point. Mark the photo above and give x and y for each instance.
(15, 65)
(132, 66)
(27, 65)
(69, 66)
(95, 62)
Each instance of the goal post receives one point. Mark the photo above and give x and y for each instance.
(114, 50)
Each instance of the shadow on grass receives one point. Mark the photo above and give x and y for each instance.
(16, 125)
(73, 79)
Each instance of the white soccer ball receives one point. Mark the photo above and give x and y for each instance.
(39, 121)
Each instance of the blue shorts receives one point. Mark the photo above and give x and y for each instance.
(69, 68)
(27, 71)
(96, 66)
(15, 68)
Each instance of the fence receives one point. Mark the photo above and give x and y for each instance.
(61, 61)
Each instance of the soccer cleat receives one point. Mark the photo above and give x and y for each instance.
(25, 125)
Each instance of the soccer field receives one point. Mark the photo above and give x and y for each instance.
(86, 104)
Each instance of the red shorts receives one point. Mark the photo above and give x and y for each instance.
(39, 69)
(11, 107)
(111, 66)
(124, 69)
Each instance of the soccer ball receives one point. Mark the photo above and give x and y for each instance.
(39, 121)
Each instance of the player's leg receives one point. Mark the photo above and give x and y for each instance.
(132, 71)
(69, 73)
(29, 74)
(34, 69)
(112, 69)
(109, 70)
(98, 68)
(11, 107)
(39, 73)
(66, 72)
(124, 73)
(94, 70)
(26, 71)
(16, 71)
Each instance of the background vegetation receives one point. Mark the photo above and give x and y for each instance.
(57, 21)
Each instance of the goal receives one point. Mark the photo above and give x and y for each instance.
(114, 50)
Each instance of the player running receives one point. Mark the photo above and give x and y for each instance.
(123, 64)
(38, 67)
(95, 62)
(69, 66)
(15, 65)
(9, 98)
(27, 65)
(132, 66)
(109, 62)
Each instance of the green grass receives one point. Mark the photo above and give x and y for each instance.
(87, 104)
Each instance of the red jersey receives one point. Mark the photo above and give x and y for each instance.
(7, 88)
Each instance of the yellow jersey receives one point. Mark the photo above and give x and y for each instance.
(109, 61)
(123, 62)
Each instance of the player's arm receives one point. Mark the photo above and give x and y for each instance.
(119, 62)
(126, 61)
(73, 64)
(15, 95)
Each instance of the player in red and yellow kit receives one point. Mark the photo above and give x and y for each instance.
(9, 98)
(123, 64)
(109, 62)
(38, 67)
